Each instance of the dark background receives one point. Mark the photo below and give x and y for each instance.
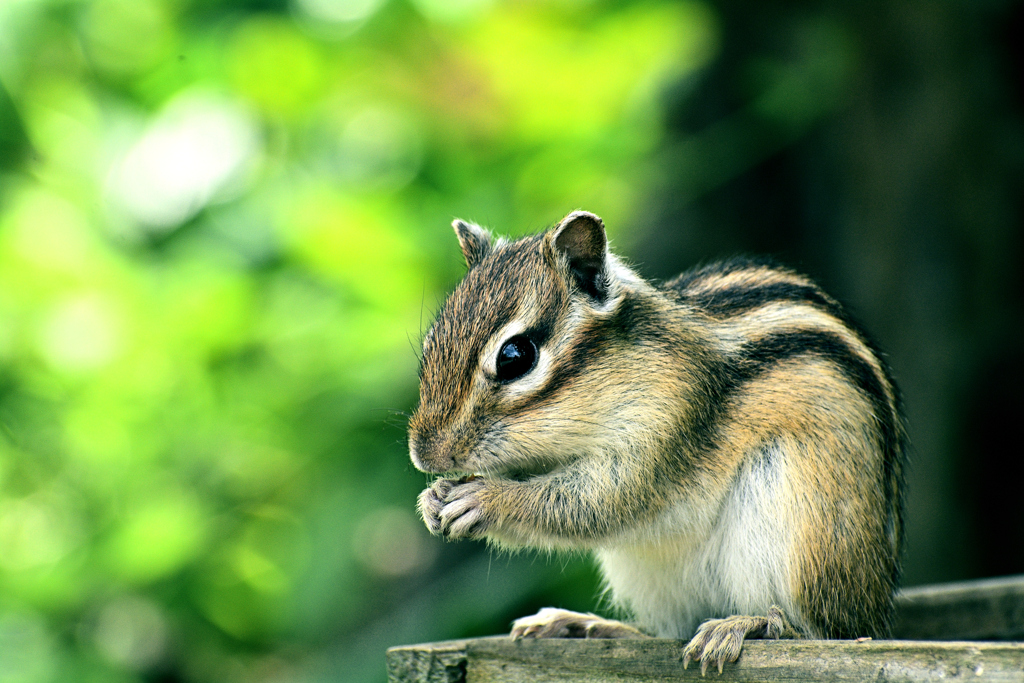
(901, 191)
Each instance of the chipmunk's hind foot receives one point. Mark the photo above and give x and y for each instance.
(551, 622)
(721, 640)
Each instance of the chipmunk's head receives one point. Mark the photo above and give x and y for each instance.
(510, 380)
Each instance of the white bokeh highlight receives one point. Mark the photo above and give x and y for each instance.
(338, 11)
(194, 152)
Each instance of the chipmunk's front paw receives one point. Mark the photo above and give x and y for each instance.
(453, 508)
(430, 503)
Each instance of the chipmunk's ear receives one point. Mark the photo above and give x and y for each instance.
(474, 240)
(581, 239)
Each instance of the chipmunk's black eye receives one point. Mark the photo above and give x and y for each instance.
(516, 358)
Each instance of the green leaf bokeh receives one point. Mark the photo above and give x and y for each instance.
(224, 227)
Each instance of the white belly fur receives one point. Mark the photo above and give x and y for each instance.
(688, 569)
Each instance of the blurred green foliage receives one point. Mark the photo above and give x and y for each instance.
(223, 227)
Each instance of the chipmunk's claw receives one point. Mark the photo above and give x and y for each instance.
(721, 640)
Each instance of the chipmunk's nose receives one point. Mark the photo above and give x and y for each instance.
(427, 456)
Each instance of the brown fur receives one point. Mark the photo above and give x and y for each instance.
(647, 411)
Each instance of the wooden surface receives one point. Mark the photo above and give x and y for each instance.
(431, 663)
(979, 611)
(990, 609)
(490, 660)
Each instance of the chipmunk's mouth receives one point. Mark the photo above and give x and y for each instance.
(522, 472)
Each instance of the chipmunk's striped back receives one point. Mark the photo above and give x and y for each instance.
(781, 314)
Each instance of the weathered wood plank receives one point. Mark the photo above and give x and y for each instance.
(429, 663)
(494, 660)
(978, 610)
(990, 609)
(637, 660)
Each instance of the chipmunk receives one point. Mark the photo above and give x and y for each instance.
(728, 443)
